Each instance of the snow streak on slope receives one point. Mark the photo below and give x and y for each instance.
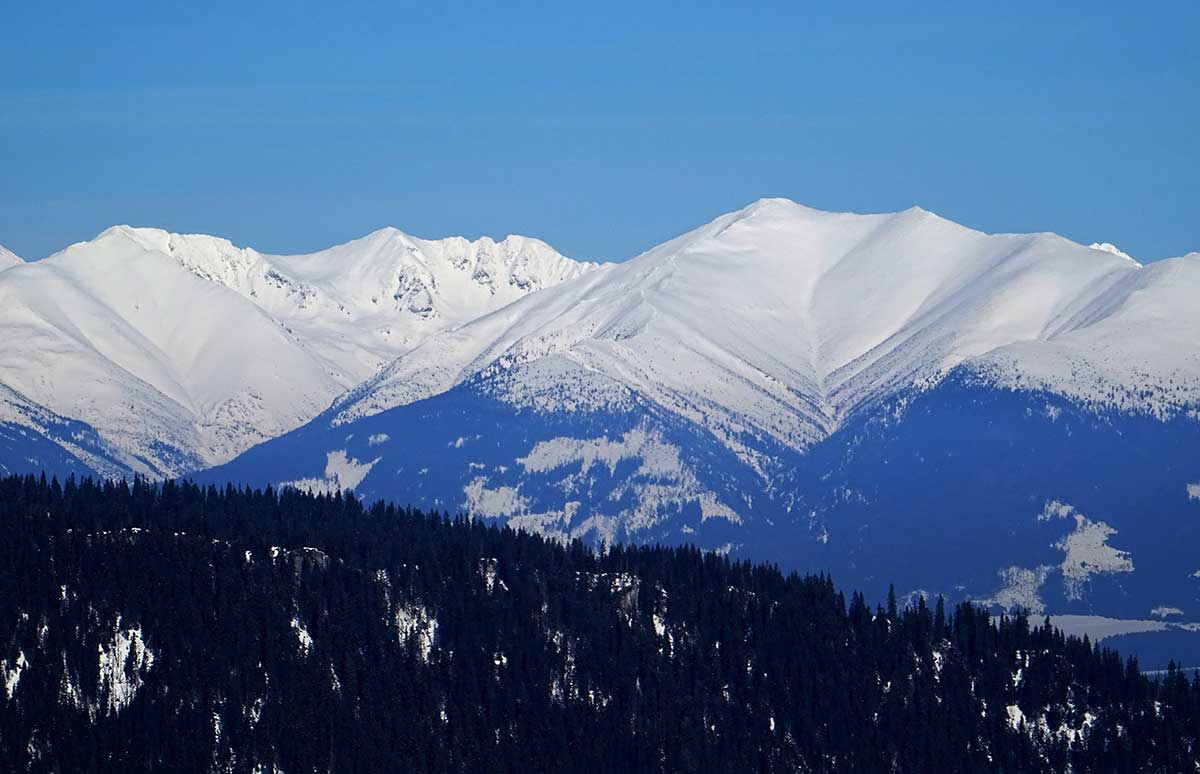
(182, 351)
(778, 321)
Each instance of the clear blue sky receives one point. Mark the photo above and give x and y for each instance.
(602, 128)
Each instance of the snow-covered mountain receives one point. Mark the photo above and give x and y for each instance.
(891, 397)
(783, 321)
(1010, 417)
(181, 351)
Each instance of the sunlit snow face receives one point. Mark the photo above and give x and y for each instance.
(156, 341)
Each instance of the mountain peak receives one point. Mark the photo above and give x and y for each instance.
(768, 203)
(781, 205)
(161, 241)
(774, 207)
(123, 229)
(380, 235)
(1108, 247)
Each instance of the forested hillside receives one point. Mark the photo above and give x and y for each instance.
(173, 627)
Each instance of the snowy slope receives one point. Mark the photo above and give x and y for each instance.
(34, 438)
(8, 258)
(1135, 346)
(361, 304)
(783, 321)
(182, 351)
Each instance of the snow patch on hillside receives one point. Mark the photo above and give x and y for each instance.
(658, 486)
(1085, 553)
(415, 626)
(1020, 589)
(123, 664)
(1016, 718)
(341, 473)
(12, 673)
(501, 502)
(1163, 611)
(304, 640)
(1085, 550)
(1193, 491)
(1099, 627)
(661, 477)
(1054, 509)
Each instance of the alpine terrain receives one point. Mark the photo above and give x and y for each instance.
(144, 352)
(1013, 419)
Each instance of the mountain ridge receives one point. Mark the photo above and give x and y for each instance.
(172, 327)
(834, 357)
(795, 318)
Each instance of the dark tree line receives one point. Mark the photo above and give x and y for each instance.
(175, 627)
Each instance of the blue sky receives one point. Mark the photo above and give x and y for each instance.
(602, 128)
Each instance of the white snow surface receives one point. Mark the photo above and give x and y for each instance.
(186, 341)
(304, 640)
(414, 624)
(123, 663)
(15, 409)
(341, 472)
(1086, 553)
(8, 258)
(1021, 589)
(660, 483)
(1015, 717)
(781, 321)
(1099, 627)
(12, 673)
(1109, 247)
